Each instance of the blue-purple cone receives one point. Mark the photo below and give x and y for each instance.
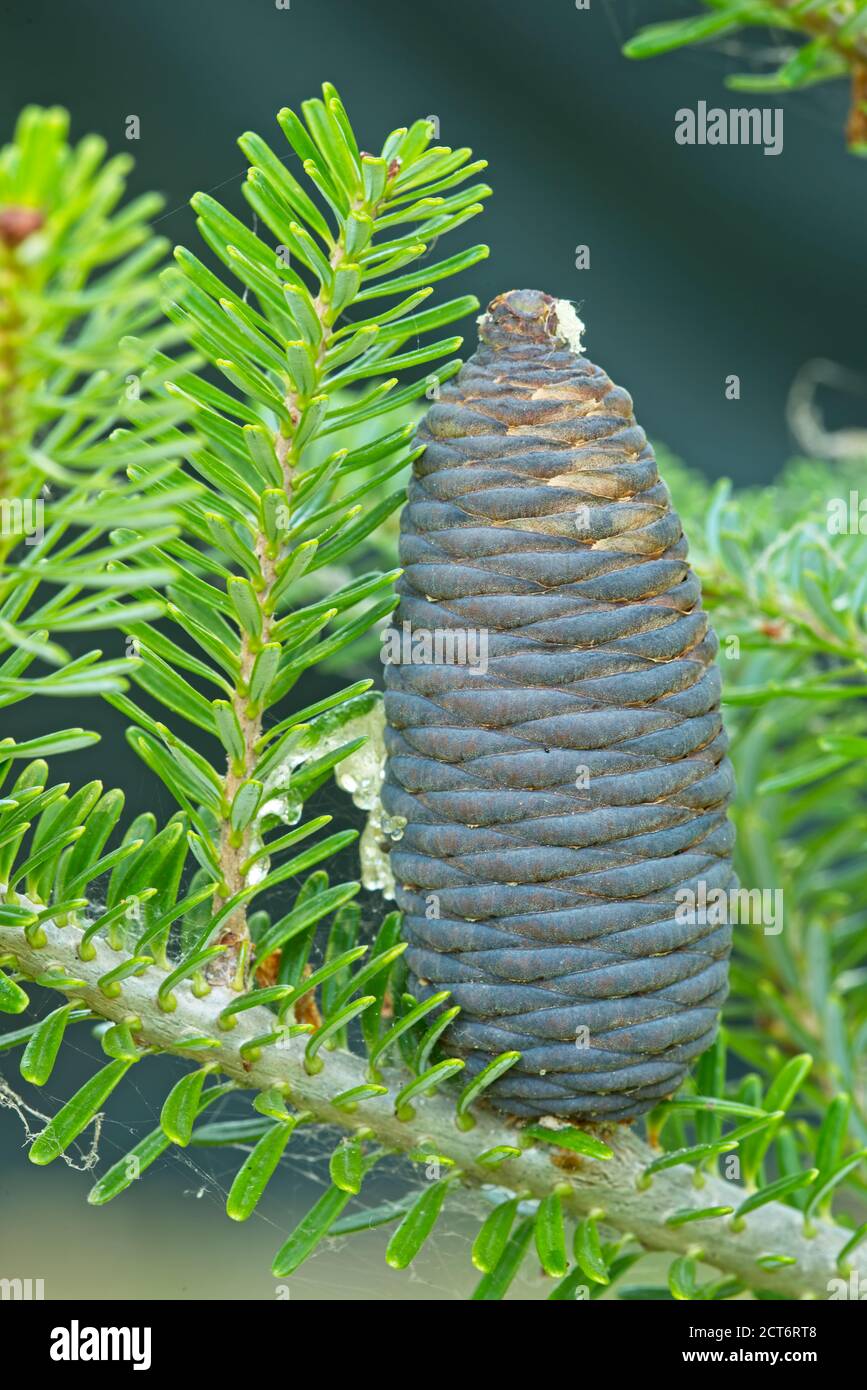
(565, 784)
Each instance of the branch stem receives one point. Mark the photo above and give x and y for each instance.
(827, 22)
(232, 967)
(611, 1186)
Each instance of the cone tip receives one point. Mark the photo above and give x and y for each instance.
(532, 314)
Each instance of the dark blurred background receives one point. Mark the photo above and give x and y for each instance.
(703, 262)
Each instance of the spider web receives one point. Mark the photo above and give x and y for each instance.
(343, 1268)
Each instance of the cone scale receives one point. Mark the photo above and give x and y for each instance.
(556, 749)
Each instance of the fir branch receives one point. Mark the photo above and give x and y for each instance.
(777, 566)
(836, 46)
(76, 279)
(271, 504)
(617, 1190)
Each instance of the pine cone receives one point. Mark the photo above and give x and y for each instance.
(559, 794)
